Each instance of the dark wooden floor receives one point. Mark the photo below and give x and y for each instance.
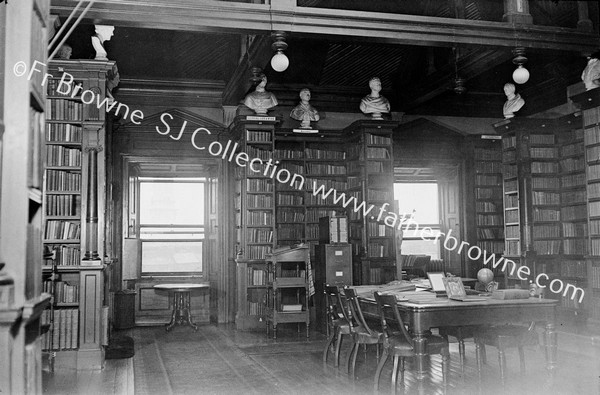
(221, 360)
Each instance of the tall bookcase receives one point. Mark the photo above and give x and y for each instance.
(73, 216)
(254, 205)
(589, 102)
(23, 41)
(544, 201)
(370, 168)
(486, 219)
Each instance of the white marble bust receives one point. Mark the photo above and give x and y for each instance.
(103, 33)
(304, 112)
(374, 103)
(591, 74)
(514, 101)
(260, 100)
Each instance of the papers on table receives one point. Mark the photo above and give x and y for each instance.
(403, 290)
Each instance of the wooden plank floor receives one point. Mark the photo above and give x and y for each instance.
(221, 360)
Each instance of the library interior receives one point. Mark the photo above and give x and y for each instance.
(299, 196)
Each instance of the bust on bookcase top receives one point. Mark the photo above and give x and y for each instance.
(374, 103)
(591, 74)
(103, 33)
(514, 101)
(260, 100)
(304, 111)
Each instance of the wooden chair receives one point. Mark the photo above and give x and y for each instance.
(461, 333)
(399, 343)
(338, 321)
(503, 337)
(361, 332)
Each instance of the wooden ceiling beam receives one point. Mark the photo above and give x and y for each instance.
(247, 18)
(469, 66)
(259, 53)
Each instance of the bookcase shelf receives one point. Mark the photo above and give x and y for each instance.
(370, 177)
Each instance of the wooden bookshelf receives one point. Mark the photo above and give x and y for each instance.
(486, 217)
(74, 142)
(371, 180)
(23, 41)
(589, 102)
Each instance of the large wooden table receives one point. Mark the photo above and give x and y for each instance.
(421, 317)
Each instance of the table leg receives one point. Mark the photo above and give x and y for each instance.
(188, 303)
(171, 323)
(420, 344)
(551, 347)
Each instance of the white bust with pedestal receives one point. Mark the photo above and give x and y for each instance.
(374, 103)
(103, 33)
(514, 101)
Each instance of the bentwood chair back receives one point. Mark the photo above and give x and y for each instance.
(361, 332)
(338, 321)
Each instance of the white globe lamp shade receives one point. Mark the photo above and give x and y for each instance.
(520, 75)
(280, 62)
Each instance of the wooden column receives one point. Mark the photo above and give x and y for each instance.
(517, 11)
(584, 23)
(91, 218)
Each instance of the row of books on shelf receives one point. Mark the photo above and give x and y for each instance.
(58, 155)
(545, 182)
(256, 308)
(324, 168)
(573, 164)
(260, 136)
(487, 154)
(287, 232)
(377, 139)
(66, 255)
(575, 246)
(573, 149)
(288, 199)
(595, 247)
(594, 227)
(54, 83)
(573, 197)
(546, 214)
(63, 181)
(314, 153)
(593, 190)
(594, 279)
(487, 193)
(542, 139)
(259, 185)
(594, 208)
(593, 172)
(543, 152)
(491, 246)
(543, 197)
(64, 133)
(573, 180)
(544, 167)
(258, 276)
(375, 229)
(509, 156)
(62, 230)
(263, 154)
(574, 229)
(574, 213)
(257, 252)
(486, 207)
(488, 166)
(65, 331)
(259, 235)
(490, 233)
(69, 205)
(509, 142)
(293, 168)
(64, 110)
(379, 250)
(592, 135)
(63, 291)
(259, 201)
(290, 215)
(257, 218)
(546, 231)
(547, 247)
(292, 273)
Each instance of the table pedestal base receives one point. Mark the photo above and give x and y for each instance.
(181, 310)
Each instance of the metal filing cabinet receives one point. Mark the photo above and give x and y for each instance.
(333, 266)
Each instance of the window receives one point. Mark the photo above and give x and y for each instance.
(172, 225)
(421, 201)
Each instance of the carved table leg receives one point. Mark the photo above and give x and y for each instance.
(171, 323)
(419, 343)
(188, 302)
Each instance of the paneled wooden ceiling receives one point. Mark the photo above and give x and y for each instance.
(417, 75)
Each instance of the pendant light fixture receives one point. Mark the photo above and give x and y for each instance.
(521, 74)
(279, 62)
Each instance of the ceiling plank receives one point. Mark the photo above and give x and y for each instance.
(469, 66)
(245, 18)
(259, 53)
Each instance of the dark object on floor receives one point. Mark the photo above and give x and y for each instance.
(120, 347)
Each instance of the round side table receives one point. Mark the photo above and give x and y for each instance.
(181, 296)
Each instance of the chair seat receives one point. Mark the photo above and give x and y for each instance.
(505, 336)
(362, 336)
